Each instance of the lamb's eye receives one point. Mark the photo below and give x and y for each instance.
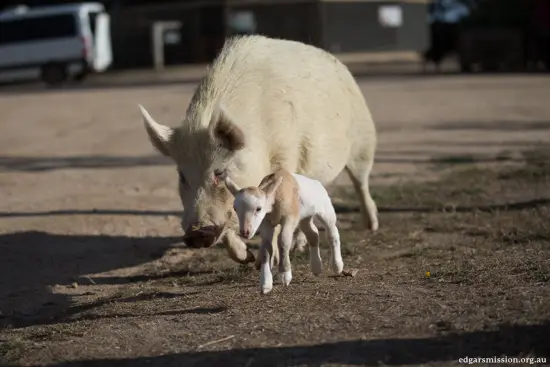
(258, 209)
(182, 177)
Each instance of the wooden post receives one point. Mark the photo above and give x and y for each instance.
(157, 41)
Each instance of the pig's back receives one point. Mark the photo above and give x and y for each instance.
(299, 107)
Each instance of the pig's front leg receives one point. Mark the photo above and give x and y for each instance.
(237, 249)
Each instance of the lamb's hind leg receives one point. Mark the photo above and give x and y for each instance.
(359, 172)
(328, 221)
(285, 242)
(300, 241)
(312, 235)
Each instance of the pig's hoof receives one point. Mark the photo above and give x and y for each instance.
(250, 258)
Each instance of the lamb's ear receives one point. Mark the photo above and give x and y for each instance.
(271, 190)
(232, 186)
(224, 131)
(159, 135)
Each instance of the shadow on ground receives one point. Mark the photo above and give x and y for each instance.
(48, 213)
(340, 209)
(79, 313)
(149, 78)
(45, 164)
(130, 81)
(41, 164)
(494, 125)
(509, 341)
(32, 261)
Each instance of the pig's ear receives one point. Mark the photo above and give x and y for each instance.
(271, 190)
(232, 186)
(224, 131)
(159, 135)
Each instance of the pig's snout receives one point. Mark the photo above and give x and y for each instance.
(197, 237)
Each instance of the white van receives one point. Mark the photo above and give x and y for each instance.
(54, 43)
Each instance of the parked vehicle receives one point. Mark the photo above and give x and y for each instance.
(54, 43)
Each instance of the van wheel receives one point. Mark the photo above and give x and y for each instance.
(465, 67)
(80, 77)
(54, 74)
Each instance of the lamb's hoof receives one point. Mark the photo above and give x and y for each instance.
(316, 267)
(373, 226)
(286, 277)
(337, 266)
(265, 289)
(266, 283)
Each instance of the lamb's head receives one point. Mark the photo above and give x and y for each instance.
(203, 152)
(252, 204)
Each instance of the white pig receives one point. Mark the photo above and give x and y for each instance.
(266, 104)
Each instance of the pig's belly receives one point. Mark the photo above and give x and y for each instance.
(323, 165)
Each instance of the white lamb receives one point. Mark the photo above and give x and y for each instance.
(286, 200)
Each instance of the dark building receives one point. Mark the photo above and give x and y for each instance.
(339, 26)
(368, 26)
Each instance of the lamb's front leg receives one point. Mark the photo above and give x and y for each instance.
(275, 257)
(266, 254)
(285, 244)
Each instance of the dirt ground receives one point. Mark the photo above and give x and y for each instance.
(93, 271)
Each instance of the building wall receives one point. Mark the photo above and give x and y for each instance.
(415, 32)
(131, 40)
(202, 34)
(203, 29)
(297, 21)
(336, 26)
(355, 27)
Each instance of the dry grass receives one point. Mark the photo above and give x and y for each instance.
(481, 232)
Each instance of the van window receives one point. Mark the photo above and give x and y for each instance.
(37, 28)
(92, 17)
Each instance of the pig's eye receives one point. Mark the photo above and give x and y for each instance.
(182, 177)
(258, 209)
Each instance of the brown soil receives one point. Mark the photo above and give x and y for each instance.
(93, 271)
